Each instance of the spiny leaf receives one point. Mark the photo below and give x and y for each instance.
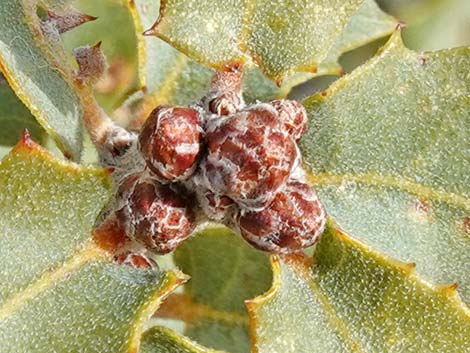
(119, 47)
(59, 291)
(66, 21)
(163, 340)
(167, 76)
(281, 37)
(15, 117)
(36, 69)
(388, 147)
(366, 25)
(353, 299)
(436, 24)
(212, 305)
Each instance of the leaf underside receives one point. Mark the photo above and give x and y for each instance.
(15, 117)
(164, 340)
(37, 70)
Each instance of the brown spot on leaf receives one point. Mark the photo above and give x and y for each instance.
(465, 225)
(422, 210)
(422, 60)
(423, 206)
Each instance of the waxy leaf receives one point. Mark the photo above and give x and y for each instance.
(281, 37)
(354, 299)
(167, 76)
(60, 292)
(170, 77)
(15, 117)
(273, 33)
(163, 340)
(388, 150)
(37, 70)
(212, 304)
(366, 25)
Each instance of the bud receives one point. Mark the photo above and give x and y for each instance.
(153, 214)
(91, 63)
(170, 142)
(293, 221)
(293, 115)
(68, 20)
(225, 103)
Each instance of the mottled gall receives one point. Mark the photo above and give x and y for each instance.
(170, 142)
(293, 221)
(250, 156)
(154, 214)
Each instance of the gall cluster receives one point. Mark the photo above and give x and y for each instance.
(239, 164)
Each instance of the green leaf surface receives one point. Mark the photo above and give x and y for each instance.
(37, 70)
(354, 299)
(15, 117)
(224, 271)
(280, 36)
(167, 76)
(164, 340)
(170, 77)
(366, 25)
(388, 148)
(59, 291)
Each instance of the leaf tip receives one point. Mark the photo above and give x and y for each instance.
(91, 63)
(401, 25)
(449, 290)
(110, 170)
(66, 21)
(26, 140)
(152, 31)
(68, 155)
(408, 267)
